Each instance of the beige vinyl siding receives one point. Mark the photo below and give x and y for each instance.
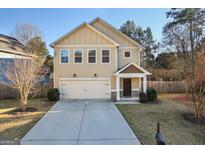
(84, 70)
(84, 36)
(113, 83)
(135, 57)
(112, 34)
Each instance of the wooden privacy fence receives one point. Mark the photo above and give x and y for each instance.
(6, 92)
(168, 86)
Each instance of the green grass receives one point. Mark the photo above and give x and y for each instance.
(14, 127)
(143, 120)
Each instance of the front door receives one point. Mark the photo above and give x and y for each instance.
(126, 87)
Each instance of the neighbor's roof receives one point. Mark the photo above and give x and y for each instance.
(78, 27)
(11, 45)
(10, 40)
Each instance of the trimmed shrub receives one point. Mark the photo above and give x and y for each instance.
(53, 94)
(143, 97)
(151, 94)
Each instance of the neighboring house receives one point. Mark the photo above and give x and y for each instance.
(47, 75)
(95, 60)
(10, 49)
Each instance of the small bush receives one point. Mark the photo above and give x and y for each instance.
(151, 94)
(143, 97)
(53, 94)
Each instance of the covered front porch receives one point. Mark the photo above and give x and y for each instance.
(130, 80)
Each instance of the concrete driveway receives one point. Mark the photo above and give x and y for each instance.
(82, 122)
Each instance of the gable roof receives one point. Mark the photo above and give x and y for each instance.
(12, 46)
(116, 30)
(78, 27)
(134, 64)
(10, 40)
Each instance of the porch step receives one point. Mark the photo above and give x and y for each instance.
(129, 98)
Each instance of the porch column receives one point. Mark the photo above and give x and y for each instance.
(145, 84)
(118, 87)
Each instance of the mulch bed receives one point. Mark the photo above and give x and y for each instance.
(19, 111)
(191, 118)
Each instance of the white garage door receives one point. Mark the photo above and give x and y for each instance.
(84, 88)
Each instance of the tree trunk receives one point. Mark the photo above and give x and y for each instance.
(23, 103)
(198, 114)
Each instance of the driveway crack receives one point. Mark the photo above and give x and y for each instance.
(81, 123)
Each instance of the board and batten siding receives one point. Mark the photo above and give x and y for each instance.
(84, 36)
(135, 57)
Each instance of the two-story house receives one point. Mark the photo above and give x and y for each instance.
(96, 61)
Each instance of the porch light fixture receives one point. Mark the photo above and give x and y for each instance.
(95, 75)
(74, 75)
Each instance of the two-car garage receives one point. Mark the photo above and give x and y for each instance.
(85, 88)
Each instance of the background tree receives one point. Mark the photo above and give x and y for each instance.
(38, 47)
(49, 62)
(143, 37)
(184, 33)
(129, 28)
(166, 60)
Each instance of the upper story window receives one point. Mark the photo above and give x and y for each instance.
(127, 54)
(78, 56)
(64, 56)
(92, 56)
(105, 56)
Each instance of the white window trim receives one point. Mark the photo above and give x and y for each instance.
(95, 56)
(109, 56)
(127, 51)
(74, 50)
(68, 56)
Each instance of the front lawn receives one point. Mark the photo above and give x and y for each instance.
(143, 120)
(14, 126)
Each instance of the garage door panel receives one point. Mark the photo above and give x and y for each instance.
(77, 89)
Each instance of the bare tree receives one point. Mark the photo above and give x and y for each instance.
(197, 86)
(26, 32)
(22, 75)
